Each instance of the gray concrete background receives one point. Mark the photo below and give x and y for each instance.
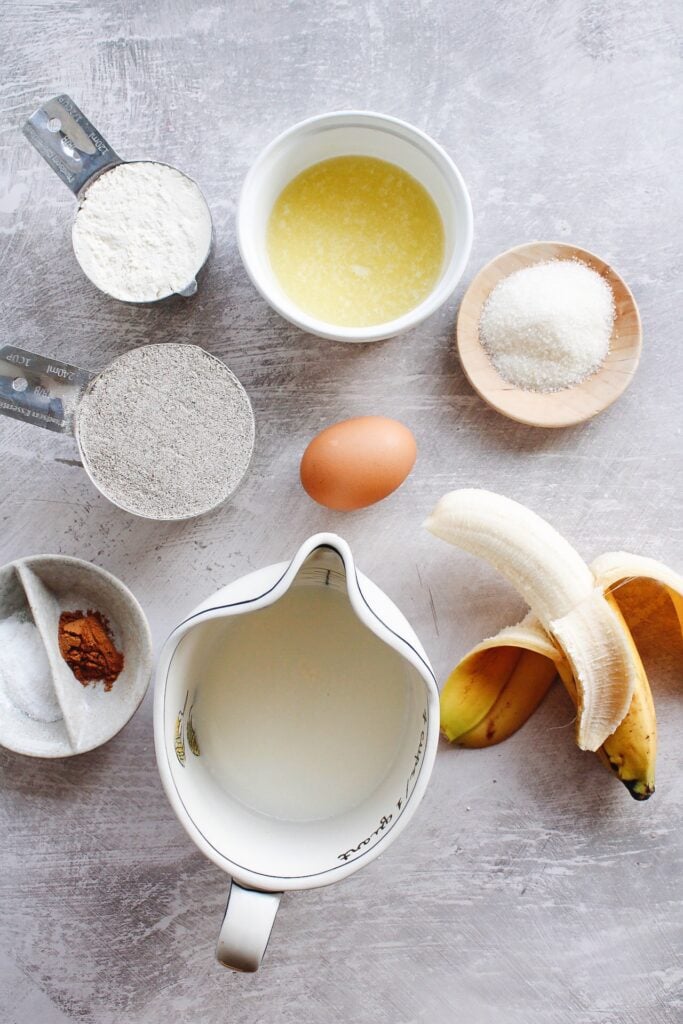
(529, 889)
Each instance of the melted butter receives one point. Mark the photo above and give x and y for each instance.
(355, 241)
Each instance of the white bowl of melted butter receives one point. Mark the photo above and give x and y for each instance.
(354, 226)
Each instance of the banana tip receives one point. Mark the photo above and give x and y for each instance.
(639, 790)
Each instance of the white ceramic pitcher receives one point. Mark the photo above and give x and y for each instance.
(268, 853)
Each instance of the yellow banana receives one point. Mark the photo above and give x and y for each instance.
(498, 685)
(472, 689)
(615, 568)
(630, 751)
(560, 589)
(533, 676)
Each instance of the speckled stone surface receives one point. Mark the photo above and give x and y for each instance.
(530, 888)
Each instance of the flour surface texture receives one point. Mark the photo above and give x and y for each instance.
(166, 431)
(142, 231)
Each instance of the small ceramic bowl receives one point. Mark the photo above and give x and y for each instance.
(79, 718)
(353, 133)
(556, 408)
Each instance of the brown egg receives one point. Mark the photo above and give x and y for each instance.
(357, 462)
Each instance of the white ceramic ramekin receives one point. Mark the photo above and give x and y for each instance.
(358, 133)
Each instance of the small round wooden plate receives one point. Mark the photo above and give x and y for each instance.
(557, 408)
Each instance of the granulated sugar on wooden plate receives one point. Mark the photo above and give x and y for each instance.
(166, 431)
(547, 327)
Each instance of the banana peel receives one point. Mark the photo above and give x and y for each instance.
(630, 750)
(512, 671)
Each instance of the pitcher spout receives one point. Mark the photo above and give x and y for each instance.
(324, 559)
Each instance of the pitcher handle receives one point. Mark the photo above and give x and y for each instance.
(246, 928)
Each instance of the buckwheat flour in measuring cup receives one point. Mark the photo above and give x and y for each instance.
(142, 232)
(166, 431)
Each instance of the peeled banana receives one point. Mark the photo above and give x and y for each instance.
(561, 591)
(515, 685)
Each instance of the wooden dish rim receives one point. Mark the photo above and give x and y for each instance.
(556, 398)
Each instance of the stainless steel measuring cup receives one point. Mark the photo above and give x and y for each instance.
(78, 154)
(47, 392)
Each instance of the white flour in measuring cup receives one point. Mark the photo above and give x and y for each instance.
(142, 231)
(166, 431)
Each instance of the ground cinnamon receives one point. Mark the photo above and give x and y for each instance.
(87, 646)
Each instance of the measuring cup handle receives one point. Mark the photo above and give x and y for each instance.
(246, 927)
(72, 146)
(40, 390)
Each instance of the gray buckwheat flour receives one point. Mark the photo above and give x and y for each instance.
(166, 431)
